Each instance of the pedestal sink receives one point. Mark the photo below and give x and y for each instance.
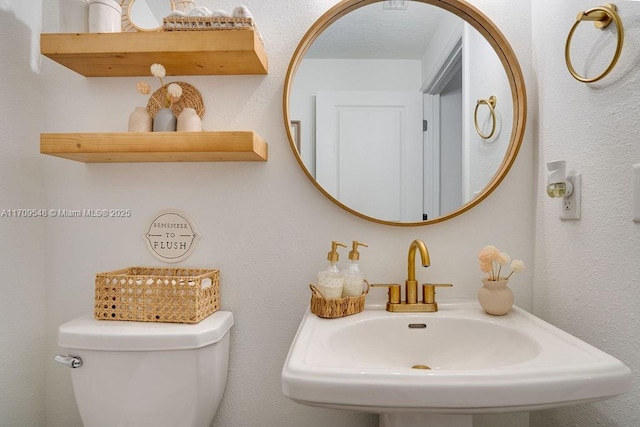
(442, 367)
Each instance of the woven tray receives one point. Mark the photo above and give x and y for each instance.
(191, 98)
(146, 294)
(201, 23)
(209, 23)
(339, 307)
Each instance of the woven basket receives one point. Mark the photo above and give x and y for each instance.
(146, 294)
(201, 23)
(191, 98)
(209, 23)
(339, 307)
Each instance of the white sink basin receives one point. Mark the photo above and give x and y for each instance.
(478, 363)
(399, 342)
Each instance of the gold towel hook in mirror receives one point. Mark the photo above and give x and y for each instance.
(603, 16)
(491, 103)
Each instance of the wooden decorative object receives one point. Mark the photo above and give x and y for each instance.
(191, 98)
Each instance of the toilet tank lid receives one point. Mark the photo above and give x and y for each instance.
(88, 333)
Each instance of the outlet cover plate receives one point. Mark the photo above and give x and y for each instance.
(570, 207)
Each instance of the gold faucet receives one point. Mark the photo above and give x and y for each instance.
(411, 285)
(411, 303)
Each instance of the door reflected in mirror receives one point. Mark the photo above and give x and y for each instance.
(386, 101)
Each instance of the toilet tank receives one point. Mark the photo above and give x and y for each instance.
(148, 374)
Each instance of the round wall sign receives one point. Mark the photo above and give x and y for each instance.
(171, 236)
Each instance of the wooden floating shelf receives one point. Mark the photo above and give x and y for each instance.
(156, 147)
(223, 52)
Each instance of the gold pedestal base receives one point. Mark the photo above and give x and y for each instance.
(419, 307)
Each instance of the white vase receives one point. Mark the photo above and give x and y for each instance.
(495, 297)
(105, 16)
(189, 121)
(140, 120)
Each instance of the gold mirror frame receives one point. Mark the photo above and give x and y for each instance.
(128, 25)
(495, 38)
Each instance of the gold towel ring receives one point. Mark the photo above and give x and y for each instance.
(602, 15)
(491, 103)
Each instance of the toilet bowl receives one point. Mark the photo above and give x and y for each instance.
(147, 374)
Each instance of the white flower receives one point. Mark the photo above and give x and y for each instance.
(485, 267)
(517, 265)
(492, 260)
(158, 70)
(503, 258)
(174, 90)
(488, 253)
(173, 93)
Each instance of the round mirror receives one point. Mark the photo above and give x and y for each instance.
(145, 15)
(405, 112)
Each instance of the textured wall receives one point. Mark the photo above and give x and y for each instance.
(587, 271)
(264, 225)
(22, 316)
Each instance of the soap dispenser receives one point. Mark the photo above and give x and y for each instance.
(330, 280)
(353, 276)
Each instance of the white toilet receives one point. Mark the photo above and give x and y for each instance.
(147, 374)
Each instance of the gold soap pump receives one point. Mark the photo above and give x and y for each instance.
(333, 256)
(353, 275)
(330, 280)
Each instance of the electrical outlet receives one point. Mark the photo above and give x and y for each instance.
(567, 203)
(570, 208)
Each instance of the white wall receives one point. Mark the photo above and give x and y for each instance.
(22, 293)
(587, 271)
(264, 225)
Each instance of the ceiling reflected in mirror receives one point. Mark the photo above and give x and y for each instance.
(376, 33)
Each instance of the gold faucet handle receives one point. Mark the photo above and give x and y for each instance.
(429, 291)
(394, 291)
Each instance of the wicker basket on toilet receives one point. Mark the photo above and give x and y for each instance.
(148, 294)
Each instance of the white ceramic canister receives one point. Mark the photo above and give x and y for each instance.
(105, 16)
(73, 16)
(189, 121)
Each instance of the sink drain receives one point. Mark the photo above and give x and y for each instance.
(420, 367)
